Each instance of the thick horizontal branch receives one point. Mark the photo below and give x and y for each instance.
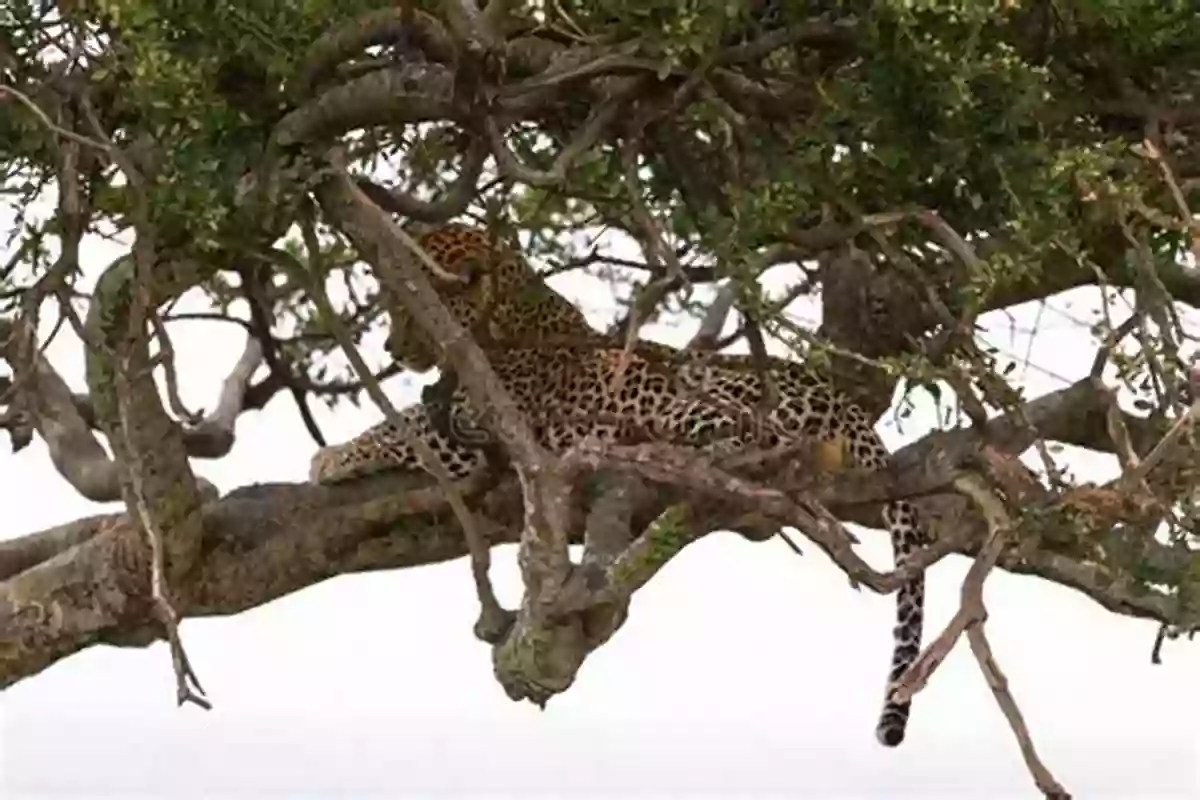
(262, 542)
(377, 27)
(1061, 270)
(410, 93)
(24, 552)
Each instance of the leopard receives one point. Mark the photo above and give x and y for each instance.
(574, 383)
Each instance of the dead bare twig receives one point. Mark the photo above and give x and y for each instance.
(65, 420)
(713, 322)
(958, 330)
(999, 525)
(166, 353)
(49, 123)
(1160, 450)
(187, 685)
(659, 256)
(1152, 151)
(970, 619)
(971, 612)
(702, 477)
(597, 123)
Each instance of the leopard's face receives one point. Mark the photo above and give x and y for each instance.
(464, 252)
(500, 297)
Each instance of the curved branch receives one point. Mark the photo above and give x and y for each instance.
(412, 92)
(65, 420)
(214, 435)
(456, 199)
(380, 26)
(74, 450)
(597, 123)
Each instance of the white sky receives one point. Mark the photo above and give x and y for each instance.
(743, 670)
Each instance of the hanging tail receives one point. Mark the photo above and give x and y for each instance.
(901, 519)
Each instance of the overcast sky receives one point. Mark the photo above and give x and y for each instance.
(743, 669)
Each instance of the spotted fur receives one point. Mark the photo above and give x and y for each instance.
(567, 392)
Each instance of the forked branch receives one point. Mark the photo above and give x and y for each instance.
(39, 396)
(394, 255)
(494, 621)
(970, 619)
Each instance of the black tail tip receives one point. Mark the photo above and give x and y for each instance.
(890, 735)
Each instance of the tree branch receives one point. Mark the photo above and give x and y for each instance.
(264, 541)
(66, 420)
(544, 558)
(74, 450)
(260, 542)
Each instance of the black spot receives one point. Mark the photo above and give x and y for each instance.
(818, 405)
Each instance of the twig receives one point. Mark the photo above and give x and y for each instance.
(167, 355)
(706, 339)
(1118, 432)
(709, 334)
(658, 256)
(971, 612)
(49, 123)
(576, 31)
(795, 548)
(1156, 155)
(951, 238)
(955, 327)
(699, 475)
(255, 289)
(589, 133)
(187, 685)
(1112, 340)
(1156, 302)
(761, 361)
(999, 524)
(1181, 426)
